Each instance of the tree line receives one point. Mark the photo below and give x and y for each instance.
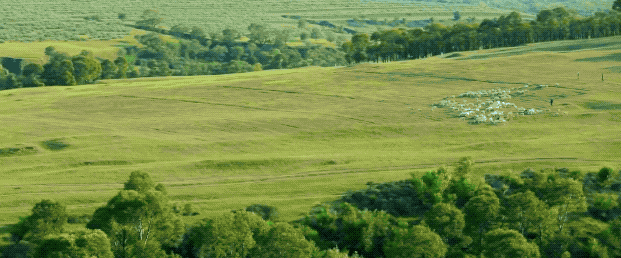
(506, 31)
(546, 213)
(197, 54)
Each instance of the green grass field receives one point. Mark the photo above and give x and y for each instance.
(293, 138)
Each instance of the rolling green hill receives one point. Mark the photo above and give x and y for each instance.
(292, 138)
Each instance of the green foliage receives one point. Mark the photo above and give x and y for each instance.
(418, 241)
(229, 235)
(150, 18)
(82, 243)
(456, 16)
(604, 174)
(108, 69)
(460, 191)
(48, 217)
(316, 33)
(464, 167)
(481, 214)
(616, 5)
(11, 81)
(525, 213)
(446, 220)
(32, 68)
(140, 182)
(504, 243)
(258, 33)
(282, 240)
(122, 16)
(302, 23)
(138, 213)
(230, 35)
(304, 36)
(59, 70)
(266, 212)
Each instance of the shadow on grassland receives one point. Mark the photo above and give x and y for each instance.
(601, 105)
(612, 57)
(54, 145)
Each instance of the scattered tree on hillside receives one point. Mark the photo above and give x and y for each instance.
(150, 18)
(616, 5)
(30, 75)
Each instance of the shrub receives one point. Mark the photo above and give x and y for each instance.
(604, 174)
(266, 212)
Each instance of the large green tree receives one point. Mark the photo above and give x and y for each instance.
(481, 214)
(31, 75)
(48, 217)
(139, 212)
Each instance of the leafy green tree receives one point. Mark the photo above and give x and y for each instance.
(198, 32)
(446, 220)
(266, 212)
(505, 243)
(258, 33)
(230, 35)
(48, 217)
(418, 241)
(10, 81)
(456, 16)
(122, 67)
(150, 18)
(567, 196)
(304, 36)
(82, 243)
(604, 174)
(316, 33)
(108, 69)
(179, 28)
(229, 235)
(86, 68)
(32, 68)
(302, 23)
(526, 213)
(139, 212)
(616, 5)
(282, 240)
(464, 167)
(59, 70)
(481, 213)
(459, 192)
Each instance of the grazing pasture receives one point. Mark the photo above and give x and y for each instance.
(292, 138)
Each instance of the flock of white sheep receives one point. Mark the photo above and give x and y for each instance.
(492, 109)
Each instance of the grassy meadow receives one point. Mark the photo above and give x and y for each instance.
(294, 138)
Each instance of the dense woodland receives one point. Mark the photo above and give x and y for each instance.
(546, 213)
(220, 53)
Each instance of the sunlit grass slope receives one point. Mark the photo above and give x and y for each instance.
(291, 138)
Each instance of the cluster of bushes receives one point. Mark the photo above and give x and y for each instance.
(544, 213)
